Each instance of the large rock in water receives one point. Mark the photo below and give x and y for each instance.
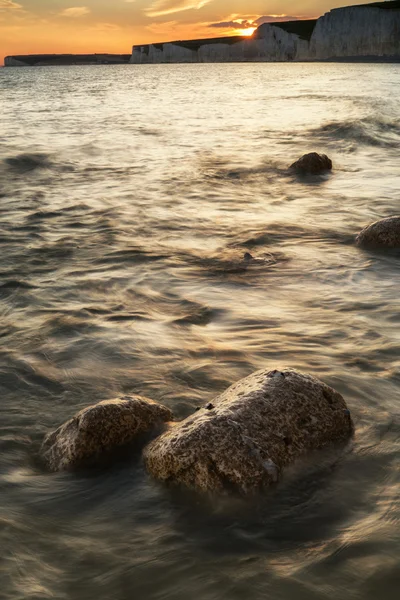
(101, 428)
(381, 234)
(312, 163)
(248, 434)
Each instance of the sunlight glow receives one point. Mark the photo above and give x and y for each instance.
(249, 31)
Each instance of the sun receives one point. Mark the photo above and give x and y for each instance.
(247, 32)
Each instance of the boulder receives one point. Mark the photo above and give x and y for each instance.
(244, 438)
(101, 428)
(312, 163)
(381, 234)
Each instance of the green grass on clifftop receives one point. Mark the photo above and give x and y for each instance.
(391, 5)
(195, 44)
(303, 29)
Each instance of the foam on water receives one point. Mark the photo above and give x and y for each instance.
(153, 241)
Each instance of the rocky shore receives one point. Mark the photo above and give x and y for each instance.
(240, 441)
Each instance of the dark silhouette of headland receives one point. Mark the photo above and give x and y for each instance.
(45, 60)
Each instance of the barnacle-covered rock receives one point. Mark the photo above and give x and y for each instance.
(381, 234)
(312, 163)
(101, 428)
(245, 437)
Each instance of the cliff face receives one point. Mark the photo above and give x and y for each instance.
(269, 43)
(10, 61)
(356, 31)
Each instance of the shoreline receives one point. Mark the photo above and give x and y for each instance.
(344, 60)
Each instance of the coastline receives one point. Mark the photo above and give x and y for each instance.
(362, 33)
(346, 59)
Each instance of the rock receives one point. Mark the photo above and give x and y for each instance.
(101, 428)
(381, 234)
(312, 163)
(245, 438)
(232, 260)
(265, 259)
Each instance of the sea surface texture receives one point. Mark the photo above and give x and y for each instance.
(130, 201)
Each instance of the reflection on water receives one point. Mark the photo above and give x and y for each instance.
(130, 200)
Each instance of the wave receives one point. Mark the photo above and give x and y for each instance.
(369, 131)
(226, 170)
(280, 233)
(28, 162)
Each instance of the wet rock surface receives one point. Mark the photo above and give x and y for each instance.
(381, 234)
(99, 429)
(312, 163)
(233, 260)
(248, 434)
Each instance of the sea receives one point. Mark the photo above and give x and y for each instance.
(130, 200)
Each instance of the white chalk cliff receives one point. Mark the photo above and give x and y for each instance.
(268, 44)
(10, 61)
(355, 31)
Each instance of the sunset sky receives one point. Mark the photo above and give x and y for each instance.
(56, 26)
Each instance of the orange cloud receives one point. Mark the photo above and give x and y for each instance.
(173, 30)
(9, 5)
(106, 27)
(167, 7)
(75, 12)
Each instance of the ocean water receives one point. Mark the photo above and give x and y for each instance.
(128, 199)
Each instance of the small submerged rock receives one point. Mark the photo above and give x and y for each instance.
(101, 428)
(233, 261)
(266, 259)
(381, 234)
(312, 163)
(248, 434)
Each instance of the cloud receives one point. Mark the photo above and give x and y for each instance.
(276, 19)
(106, 27)
(9, 5)
(75, 12)
(167, 7)
(175, 30)
(233, 24)
(246, 22)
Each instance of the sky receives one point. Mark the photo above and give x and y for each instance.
(74, 26)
